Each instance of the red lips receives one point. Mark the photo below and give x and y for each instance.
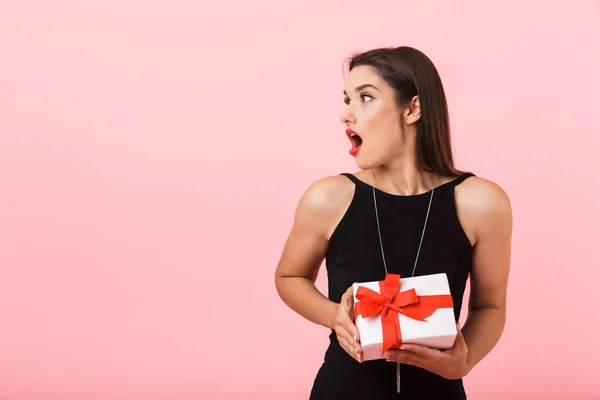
(356, 141)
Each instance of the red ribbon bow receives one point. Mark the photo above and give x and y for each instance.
(390, 302)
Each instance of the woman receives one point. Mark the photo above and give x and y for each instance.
(408, 211)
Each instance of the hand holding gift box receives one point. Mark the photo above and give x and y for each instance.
(394, 311)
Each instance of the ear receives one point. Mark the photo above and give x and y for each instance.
(413, 112)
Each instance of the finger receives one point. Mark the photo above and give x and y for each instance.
(397, 355)
(415, 362)
(352, 330)
(348, 324)
(351, 350)
(349, 298)
(459, 333)
(393, 355)
(346, 294)
(459, 343)
(347, 301)
(344, 332)
(404, 357)
(349, 292)
(350, 289)
(344, 299)
(350, 303)
(421, 351)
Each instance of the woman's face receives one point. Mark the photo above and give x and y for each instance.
(372, 118)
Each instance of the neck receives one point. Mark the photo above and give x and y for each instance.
(403, 178)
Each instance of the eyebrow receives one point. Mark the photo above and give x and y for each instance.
(361, 87)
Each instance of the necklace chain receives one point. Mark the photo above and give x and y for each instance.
(422, 233)
(418, 251)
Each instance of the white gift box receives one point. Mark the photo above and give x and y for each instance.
(437, 330)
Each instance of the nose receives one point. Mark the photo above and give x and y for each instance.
(347, 117)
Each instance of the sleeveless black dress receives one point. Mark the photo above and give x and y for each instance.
(354, 255)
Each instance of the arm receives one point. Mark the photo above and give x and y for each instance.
(304, 251)
(318, 213)
(485, 213)
(489, 209)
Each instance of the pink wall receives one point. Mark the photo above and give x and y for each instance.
(130, 130)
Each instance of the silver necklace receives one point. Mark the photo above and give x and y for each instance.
(422, 233)
(418, 250)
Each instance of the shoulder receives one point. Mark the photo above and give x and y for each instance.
(481, 195)
(484, 205)
(323, 205)
(326, 195)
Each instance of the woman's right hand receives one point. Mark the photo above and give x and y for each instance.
(343, 325)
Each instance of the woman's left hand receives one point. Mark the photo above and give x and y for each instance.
(449, 364)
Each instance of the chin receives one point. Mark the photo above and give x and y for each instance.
(363, 162)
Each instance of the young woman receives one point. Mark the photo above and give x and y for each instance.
(408, 211)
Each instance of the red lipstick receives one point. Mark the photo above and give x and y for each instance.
(356, 141)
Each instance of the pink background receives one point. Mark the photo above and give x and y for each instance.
(152, 154)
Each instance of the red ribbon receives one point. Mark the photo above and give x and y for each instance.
(390, 302)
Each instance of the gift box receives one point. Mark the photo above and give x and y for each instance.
(409, 310)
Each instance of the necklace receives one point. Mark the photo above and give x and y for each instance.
(422, 233)
(418, 250)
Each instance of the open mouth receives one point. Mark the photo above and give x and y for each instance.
(356, 141)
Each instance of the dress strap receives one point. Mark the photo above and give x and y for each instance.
(458, 180)
(352, 178)
(461, 178)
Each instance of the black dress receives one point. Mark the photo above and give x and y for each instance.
(354, 255)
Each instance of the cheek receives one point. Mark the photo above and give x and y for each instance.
(373, 118)
(383, 127)
(374, 127)
(379, 116)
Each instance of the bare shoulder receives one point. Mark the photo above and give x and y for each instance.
(324, 203)
(327, 194)
(316, 215)
(482, 205)
(482, 195)
(319, 210)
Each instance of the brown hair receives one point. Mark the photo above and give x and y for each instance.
(411, 73)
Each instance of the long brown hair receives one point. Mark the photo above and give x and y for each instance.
(411, 73)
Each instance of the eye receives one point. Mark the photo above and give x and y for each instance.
(347, 100)
(364, 95)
